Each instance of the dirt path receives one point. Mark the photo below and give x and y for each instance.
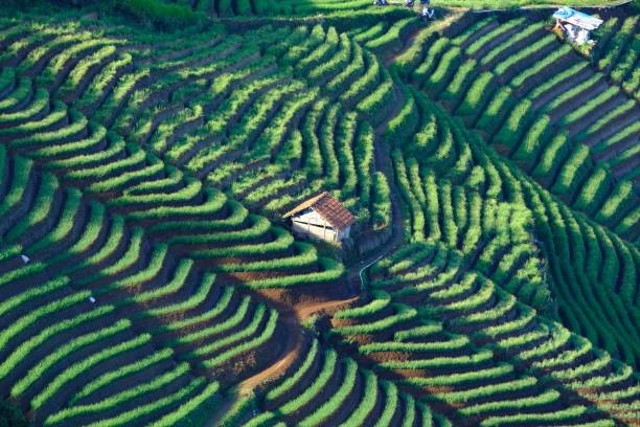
(301, 312)
(290, 352)
(293, 346)
(304, 311)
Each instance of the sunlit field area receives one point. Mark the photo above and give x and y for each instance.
(319, 213)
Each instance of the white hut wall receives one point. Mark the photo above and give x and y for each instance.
(315, 226)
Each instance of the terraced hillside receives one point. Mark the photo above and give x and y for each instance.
(544, 107)
(147, 276)
(438, 323)
(617, 53)
(229, 8)
(154, 141)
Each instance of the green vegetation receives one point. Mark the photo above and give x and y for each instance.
(10, 416)
(150, 149)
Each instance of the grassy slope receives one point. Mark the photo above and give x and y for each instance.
(461, 2)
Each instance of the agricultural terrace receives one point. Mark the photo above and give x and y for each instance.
(148, 153)
(228, 8)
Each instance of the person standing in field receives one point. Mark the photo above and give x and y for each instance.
(427, 12)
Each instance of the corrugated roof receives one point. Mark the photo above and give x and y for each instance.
(580, 19)
(329, 208)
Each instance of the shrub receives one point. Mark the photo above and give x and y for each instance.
(11, 416)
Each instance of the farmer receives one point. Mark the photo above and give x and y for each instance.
(379, 2)
(409, 3)
(427, 12)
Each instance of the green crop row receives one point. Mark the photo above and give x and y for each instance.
(104, 380)
(277, 391)
(337, 399)
(246, 344)
(80, 368)
(126, 418)
(328, 369)
(59, 355)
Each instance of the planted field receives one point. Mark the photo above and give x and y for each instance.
(230, 8)
(156, 162)
(541, 105)
(475, 349)
(148, 275)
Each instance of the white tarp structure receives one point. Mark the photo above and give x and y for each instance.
(576, 25)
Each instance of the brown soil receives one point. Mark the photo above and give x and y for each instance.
(292, 348)
(290, 352)
(305, 310)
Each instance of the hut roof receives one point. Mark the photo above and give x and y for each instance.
(580, 19)
(327, 207)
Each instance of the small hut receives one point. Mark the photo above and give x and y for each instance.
(322, 217)
(576, 25)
